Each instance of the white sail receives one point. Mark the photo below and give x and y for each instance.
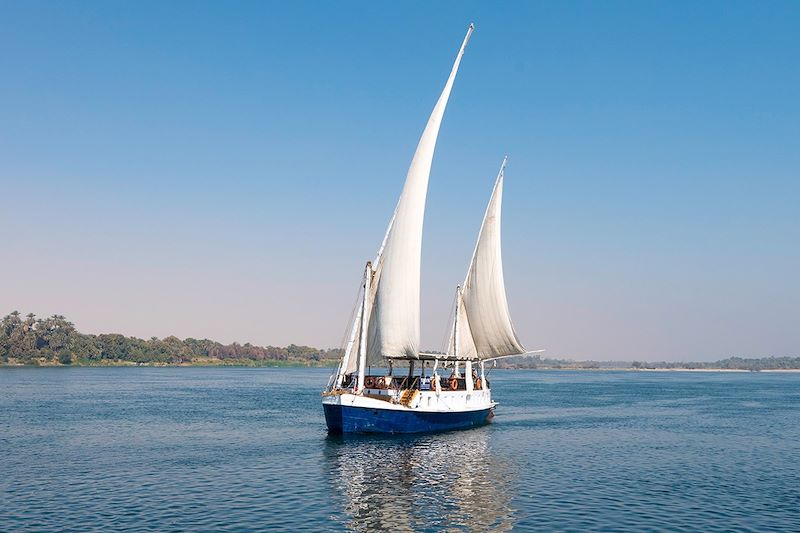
(460, 342)
(483, 329)
(351, 352)
(350, 360)
(394, 327)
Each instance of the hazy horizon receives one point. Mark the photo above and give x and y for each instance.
(196, 170)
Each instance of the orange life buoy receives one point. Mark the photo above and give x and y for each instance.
(478, 384)
(369, 382)
(453, 383)
(381, 383)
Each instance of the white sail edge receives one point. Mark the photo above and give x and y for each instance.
(453, 71)
(497, 181)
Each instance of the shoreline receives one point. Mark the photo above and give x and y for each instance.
(211, 363)
(298, 364)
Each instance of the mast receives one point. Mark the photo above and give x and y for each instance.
(455, 330)
(455, 321)
(362, 345)
(345, 362)
(467, 365)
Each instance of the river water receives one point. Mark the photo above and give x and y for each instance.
(241, 449)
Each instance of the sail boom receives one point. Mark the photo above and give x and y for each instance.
(523, 354)
(431, 356)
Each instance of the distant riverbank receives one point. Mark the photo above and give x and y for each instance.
(196, 363)
(629, 369)
(333, 364)
(54, 341)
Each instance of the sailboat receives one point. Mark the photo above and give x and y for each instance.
(386, 326)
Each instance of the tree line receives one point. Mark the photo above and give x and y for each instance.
(54, 340)
(731, 363)
(31, 341)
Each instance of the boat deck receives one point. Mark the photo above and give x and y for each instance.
(381, 382)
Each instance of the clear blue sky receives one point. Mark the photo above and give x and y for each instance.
(224, 169)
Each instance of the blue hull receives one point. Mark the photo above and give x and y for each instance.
(348, 419)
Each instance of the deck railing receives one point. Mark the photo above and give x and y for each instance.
(416, 383)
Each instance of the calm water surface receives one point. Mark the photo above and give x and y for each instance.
(209, 449)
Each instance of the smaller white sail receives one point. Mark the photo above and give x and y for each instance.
(482, 325)
(350, 361)
(461, 342)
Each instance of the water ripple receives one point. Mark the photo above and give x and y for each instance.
(196, 449)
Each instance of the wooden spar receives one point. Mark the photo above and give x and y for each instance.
(529, 352)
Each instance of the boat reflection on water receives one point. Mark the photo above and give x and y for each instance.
(443, 481)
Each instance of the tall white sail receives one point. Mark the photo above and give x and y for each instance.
(483, 329)
(395, 312)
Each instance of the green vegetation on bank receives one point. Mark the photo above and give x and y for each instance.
(54, 340)
(731, 363)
